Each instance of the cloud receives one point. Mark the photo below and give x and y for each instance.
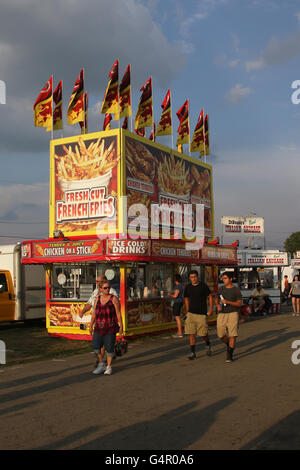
(237, 93)
(38, 39)
(277, 52)
(24, 211)
(252, 178)
(203, 9)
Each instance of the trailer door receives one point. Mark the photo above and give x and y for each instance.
(7, 302)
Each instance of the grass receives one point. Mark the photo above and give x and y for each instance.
(28, 343)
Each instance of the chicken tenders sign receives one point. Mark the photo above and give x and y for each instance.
(84, 183)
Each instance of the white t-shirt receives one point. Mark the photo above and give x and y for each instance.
(96, 293)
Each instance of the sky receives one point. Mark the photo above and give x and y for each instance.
(236, 59)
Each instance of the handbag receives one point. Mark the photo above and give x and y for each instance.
(121, 346)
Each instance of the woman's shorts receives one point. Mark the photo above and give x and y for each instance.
(196, 325)
(177, 309)
(296, 296)
(227, 322)
(104, 340)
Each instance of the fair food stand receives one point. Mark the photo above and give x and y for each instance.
(265, 267)
(100, 183)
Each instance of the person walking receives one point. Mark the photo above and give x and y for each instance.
(195, 297)
(177, 297)
(106, 323)
(228, 301)
(295, 294)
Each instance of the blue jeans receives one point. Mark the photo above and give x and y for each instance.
(104, 340)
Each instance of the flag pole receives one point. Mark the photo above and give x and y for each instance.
(52, 107)
(130, 99)
(204, 139)
(84, 110)
(171, 121)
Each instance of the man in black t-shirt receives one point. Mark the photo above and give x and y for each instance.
(195, 297)
(228, 303)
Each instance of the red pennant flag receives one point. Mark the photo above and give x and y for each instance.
(106, 123)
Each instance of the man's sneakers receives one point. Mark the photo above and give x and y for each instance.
(191, 357)
(99, 369)
(229, 355)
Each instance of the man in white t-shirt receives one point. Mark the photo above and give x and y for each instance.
(258, 296)
(91, 301)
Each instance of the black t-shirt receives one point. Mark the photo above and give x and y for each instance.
(232, 294)
(197, 296)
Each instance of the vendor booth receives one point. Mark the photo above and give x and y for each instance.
(100, 184)
(263, 267)
(141, 272)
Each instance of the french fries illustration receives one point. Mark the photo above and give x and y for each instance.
(86, 162)
(173, 177)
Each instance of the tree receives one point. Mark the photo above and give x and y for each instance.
(292, 243)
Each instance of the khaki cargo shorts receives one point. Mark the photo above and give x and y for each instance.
(229, 322)
(195, 324)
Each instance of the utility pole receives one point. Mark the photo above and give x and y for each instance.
(250, 238)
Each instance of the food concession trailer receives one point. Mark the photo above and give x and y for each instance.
(265, 267)
(141, 272)
(101, 184)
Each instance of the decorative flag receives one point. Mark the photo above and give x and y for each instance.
(153, 134)
(165, 124)
(184, 128)
(106, 122)
(140, 132)
(110, 103)
(57, 112)
(76, 104)
(125, 94)
(84, 128)
(144, 115)
(42, 108)
(125, 123)
(206, 133)
(197, 143)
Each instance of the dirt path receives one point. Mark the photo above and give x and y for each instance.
(157, 400)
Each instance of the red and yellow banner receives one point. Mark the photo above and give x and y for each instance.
(152, 135)
(84, 126)
(110, 102)
(57, 112)
(206, 132)
(76, 104)
(140, 132)
(197, 144)
(184, 127)
(125, 94)
(106, 122)
(165, 123)
(42, 108)
(144, 115)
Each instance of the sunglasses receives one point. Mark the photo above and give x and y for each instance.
(105, 288)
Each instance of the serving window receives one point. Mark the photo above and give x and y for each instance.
(149, 281)
(76, 281)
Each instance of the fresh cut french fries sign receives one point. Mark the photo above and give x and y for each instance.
(84, 183)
